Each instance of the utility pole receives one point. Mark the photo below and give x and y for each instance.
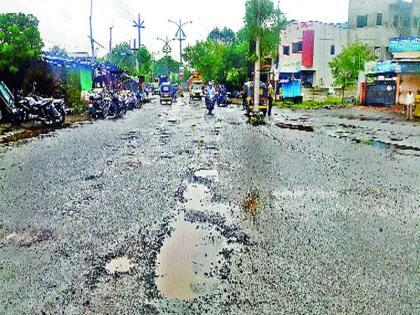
(110, 38)
(166, 48)
(92, 42)
(180, 35)
(139, 25)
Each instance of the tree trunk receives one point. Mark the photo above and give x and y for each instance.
(257, 69)
(342, 99)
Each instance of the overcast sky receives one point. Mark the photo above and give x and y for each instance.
(66, 23)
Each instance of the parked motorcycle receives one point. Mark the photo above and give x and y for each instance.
(118, 106)
(98, 107)
(132, 102)
(222, 98)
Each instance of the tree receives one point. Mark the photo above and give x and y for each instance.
(57, 51)
(123, 57)
(20, 41)
(345, 67)
(145, 61)
(263, 23)
(225, 36)
(165, 66)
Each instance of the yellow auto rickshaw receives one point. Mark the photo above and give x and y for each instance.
(263, 103)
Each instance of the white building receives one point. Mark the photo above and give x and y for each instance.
(306, 48)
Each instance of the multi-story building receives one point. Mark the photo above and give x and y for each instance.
(374, 22)
(306, 48)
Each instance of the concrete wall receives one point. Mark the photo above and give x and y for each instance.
(326, 35)
(378, 36)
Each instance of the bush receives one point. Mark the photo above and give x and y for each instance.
(256, 119)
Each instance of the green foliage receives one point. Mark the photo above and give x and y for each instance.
(264, 20)
(346, 66)
(220, 62)
(145, 60)
(225, 36)
(256, 119)
(73, 92)
(20, 41)
(165, 66)
(57, 51)
(123, 57)
(331, 101)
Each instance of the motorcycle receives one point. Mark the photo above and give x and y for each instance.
(98, 107)
(132, 102)
(210, 102)
(118, 106)
(48, 111)
(222, 98)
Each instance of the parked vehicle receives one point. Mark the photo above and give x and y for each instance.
(263, 103)
(166, 93)
(48, 111)
(222, 97)
(98, 106)
(133, 102)
(118, 106)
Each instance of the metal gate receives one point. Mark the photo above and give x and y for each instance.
(381, 93)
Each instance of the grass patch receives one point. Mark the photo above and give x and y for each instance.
(331, 101)
(256, 119)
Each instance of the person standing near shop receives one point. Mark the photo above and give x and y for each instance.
(409, 104)
(270, 97)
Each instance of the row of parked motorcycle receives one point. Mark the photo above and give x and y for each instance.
(19, 109)
(106, 104)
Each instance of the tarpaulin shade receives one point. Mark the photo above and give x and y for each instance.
(86, 80)
(291, 89)
(308, 48)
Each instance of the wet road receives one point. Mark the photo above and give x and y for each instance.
(170, 211)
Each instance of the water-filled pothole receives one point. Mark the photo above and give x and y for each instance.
(295, 127)
(188, 260)
(208, 174)
(119, 265)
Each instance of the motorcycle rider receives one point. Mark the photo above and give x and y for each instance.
(210, 93)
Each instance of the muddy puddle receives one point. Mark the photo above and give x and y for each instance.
(378, 144)
(295, 127)
(188, 260)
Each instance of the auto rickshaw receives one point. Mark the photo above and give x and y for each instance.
(166, 93)
(263, 103)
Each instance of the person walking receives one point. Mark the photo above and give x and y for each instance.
(409, 104)
(244, 95)
(270, 97)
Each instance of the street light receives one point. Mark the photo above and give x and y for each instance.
(180, 35)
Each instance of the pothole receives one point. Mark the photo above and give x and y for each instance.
(295, 127)
(251, 204)
(188, 260)
(119, 265)
(208, 174)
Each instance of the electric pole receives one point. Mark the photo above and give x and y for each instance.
(92, 42)
(139, 25)
(180, 35)
(110, 38)
(166, 48)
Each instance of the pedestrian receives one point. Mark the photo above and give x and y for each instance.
(409, 104)
(244, 95)
(271, 95)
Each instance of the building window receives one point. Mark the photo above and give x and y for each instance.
(286, 50)
(379, 19)
(332, 50)
(395, 22)
(297, 47)
(362, 21)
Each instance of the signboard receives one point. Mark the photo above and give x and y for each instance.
(401, 44)
(181, 71)
(410, 67)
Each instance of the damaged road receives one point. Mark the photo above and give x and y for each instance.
(171, 211)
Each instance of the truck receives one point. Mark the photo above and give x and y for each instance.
(195, 86)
